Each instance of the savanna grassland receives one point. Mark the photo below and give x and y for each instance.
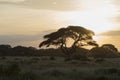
(62, 63)
(56, 68)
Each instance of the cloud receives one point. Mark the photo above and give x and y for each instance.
(19, 20)
(11, 1)
(111, 33)
(116, 20)
(117, 3)
(17, 38)
(53, 4)
(46, 4)
(25, 40)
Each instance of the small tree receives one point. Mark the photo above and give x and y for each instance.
(110, 46)
(80, 36)
(105, 51)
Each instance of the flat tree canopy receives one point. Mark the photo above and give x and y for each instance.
(80, 36)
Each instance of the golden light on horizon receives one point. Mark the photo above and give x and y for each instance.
(34, 18)
(94, 15)
(96, 18)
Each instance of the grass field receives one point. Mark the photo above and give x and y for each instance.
(49, 68)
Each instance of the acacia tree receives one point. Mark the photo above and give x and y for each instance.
(80, 36)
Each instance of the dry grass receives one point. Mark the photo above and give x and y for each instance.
(49, 68)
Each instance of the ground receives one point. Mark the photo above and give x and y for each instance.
(56, 68)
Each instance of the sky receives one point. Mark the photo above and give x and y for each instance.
(25, 22)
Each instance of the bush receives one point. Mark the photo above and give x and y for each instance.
(100, 52)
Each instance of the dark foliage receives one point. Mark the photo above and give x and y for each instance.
(7, 50)
(80, 36)
(81, 53)
(110, 46)
(105, 51)
(23, 51)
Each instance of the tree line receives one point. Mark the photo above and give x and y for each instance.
(106, 50)
(80, 37)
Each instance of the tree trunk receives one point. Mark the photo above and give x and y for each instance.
(67, 53)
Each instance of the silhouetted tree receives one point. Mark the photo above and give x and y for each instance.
(110, 46)
(80, 36)
(5, 50)
(105, 51)
(23, 51)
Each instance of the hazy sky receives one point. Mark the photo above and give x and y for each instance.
(24, 22)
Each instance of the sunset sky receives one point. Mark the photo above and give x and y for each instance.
(24, 22)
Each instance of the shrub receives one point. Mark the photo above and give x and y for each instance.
(100, 52)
